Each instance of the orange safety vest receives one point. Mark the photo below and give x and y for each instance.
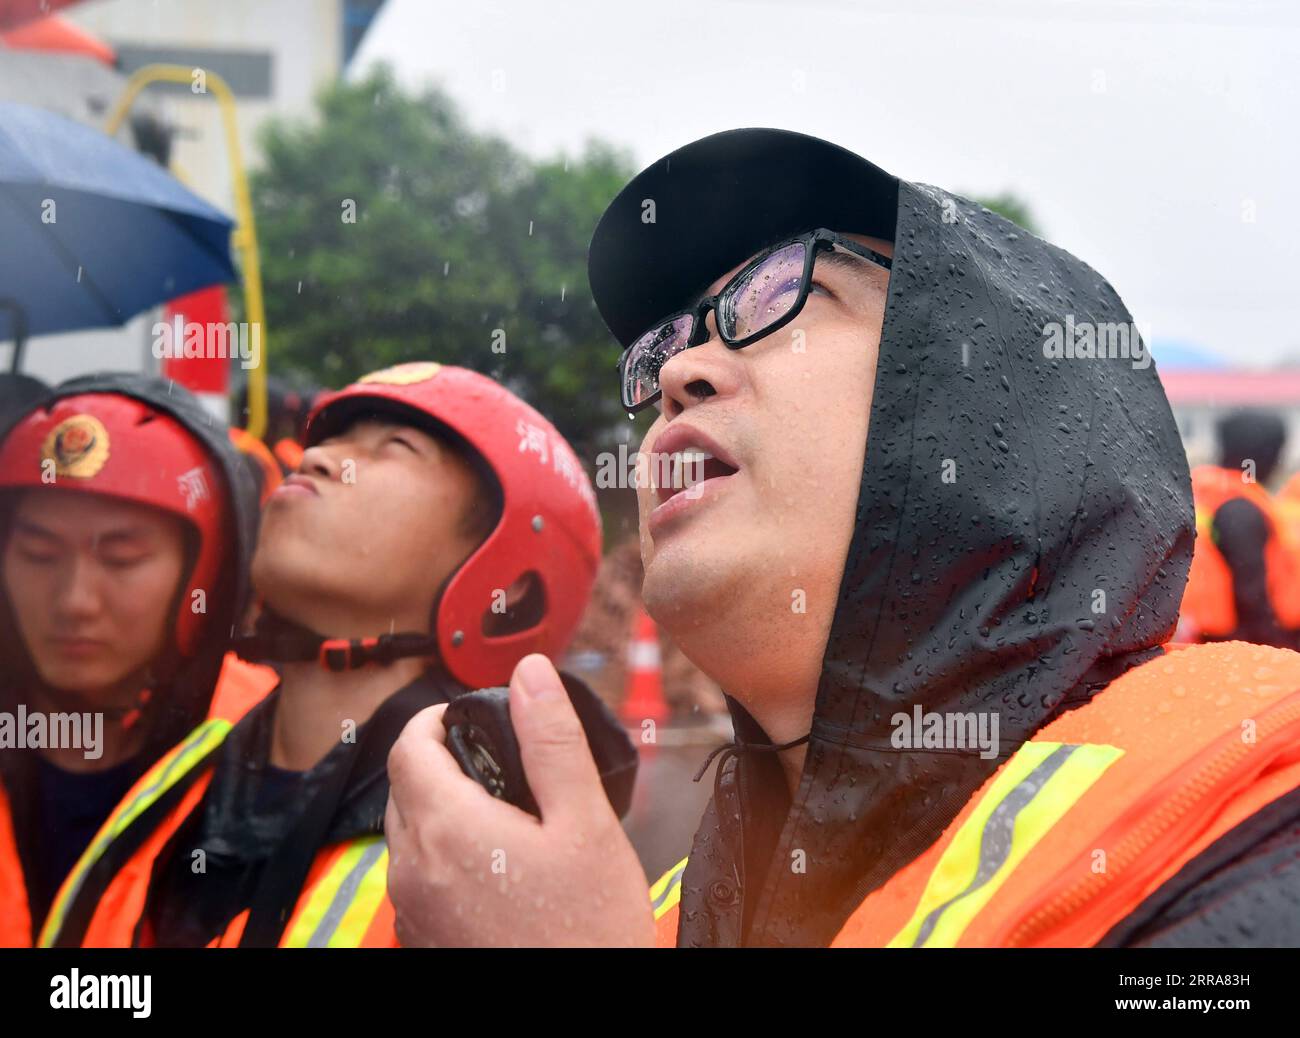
(1102, 806)
(289, 454)
(239, 687)
(343, 904)
(1208, 606)
(1287, 503)
(15, 915)
(249, 444)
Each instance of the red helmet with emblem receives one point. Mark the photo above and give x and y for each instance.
(119, 446)
(549, 528)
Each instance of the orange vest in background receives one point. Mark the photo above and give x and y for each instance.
(1208, 606)
(240, 686)
(289, 454)
(248, 444)
(1105, 805)
(1287, 503)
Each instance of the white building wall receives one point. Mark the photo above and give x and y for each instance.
(302, 38)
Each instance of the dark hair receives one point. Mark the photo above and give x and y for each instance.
(1252, 435)
(483, 512)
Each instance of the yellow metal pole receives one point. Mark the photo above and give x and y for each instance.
(245, 234)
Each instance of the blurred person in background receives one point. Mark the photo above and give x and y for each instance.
(262, 465)
(287, 406)
(1244, 582)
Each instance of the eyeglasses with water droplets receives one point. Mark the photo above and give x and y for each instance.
(765, 295)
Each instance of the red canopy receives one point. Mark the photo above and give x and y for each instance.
(14, 13)
(58, 35)
(1231, 388)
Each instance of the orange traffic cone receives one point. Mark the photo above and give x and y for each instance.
(645, 675)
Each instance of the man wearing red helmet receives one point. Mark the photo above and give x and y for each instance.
(437, 530)
(126, 523)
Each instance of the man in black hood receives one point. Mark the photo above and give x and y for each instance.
(944, 506)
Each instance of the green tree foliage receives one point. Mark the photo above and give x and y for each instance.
(1013, 207)
(390, 231)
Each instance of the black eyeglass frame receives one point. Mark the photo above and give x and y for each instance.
(814, 242)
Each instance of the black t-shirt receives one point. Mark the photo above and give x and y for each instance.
(71, 806)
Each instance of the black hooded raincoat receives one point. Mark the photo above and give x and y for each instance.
(1008, 489)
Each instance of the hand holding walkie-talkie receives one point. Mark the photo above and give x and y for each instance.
(483, 741)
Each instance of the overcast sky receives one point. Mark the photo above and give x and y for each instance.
(1156, 140)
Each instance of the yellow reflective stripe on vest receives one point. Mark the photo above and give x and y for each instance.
(667, 890)
(1204, 523)
(169, 769)
(1035, 789)
(343, 902)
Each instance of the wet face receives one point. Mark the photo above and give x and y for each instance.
(746, 564)
(92, 582)
(358, 541)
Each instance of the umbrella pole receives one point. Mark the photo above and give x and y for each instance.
(245, 238)
(20, 331)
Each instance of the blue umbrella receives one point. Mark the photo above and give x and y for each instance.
(1179, 354)
(91, 233)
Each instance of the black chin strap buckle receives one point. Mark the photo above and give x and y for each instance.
(340, 654)
(300, 645)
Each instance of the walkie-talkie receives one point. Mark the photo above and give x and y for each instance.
(482, 739)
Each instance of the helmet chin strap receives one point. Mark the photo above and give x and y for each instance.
(279, 640)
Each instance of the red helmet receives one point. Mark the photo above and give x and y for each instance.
(549, 524)
(118, 446)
